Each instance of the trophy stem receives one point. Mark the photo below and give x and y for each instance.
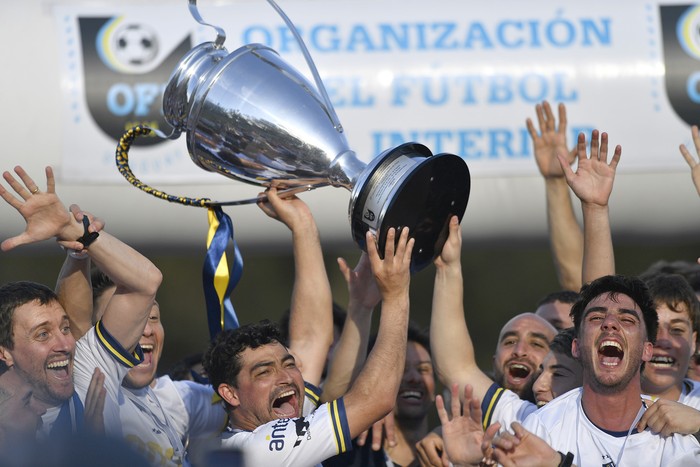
(345, 170)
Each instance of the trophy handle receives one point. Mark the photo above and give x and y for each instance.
(122, 159)
(312, 66)
(220, 33)
(221, 37)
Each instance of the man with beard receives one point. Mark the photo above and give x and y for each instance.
(258, 378)
(36, 339)
(522, 343)
(616, 325)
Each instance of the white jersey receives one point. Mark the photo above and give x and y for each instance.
(690, 394)
(565, 427)
(157, 428)
(504, 406)
(295, 442)
(194, 408)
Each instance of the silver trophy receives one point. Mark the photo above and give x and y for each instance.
(252, 117)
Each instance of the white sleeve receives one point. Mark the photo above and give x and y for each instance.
(534, 425)
(98, 349)
(204, 408)
(296, 442)
(504, 406)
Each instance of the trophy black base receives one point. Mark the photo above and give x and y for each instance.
(410, 187)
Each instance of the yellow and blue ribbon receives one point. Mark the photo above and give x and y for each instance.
(215, 275)
(218, 286)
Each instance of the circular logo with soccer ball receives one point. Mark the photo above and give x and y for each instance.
(688, 32)
(134, 46)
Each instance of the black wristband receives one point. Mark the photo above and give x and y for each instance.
(88, 237)
(566, 460)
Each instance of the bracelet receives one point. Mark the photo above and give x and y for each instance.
(82, 254)
(77, 254)
(88, 237)
(566, 460)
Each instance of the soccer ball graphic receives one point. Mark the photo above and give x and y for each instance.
(688, 32)
(134, 46)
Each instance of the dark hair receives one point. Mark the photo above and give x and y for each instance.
(688, 269)
(12, 296)
(418, 335)
(222, 360)
(562, 342)
(615, 285)
(100, 283)
(674, 291)
(182, 369)
(564, 296)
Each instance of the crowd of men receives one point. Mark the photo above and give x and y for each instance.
(601, 373)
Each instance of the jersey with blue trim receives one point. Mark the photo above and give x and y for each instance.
(563, 424)
(295, 442)
(504, 406)
(136, 415)
(97, 349)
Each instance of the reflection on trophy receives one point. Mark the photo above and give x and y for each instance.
(250, 116)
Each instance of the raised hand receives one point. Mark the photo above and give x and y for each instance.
(95, 402)
(550, 140)
(593, 180)
(452, 250)
(692, 162)
(362, 288)
(462, 434)
(44, 213)
(96, 225)
(291, 211)
(393, 272)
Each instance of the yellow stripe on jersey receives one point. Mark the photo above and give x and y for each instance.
(315, 398)
(492, 404)
(337, 427)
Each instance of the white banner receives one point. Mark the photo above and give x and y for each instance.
(457, 76)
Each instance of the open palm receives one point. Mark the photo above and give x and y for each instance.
(593, 180)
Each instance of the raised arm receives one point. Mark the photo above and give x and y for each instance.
(592, 183)
(136, 278)
(351, 350)
(450, 343)
(311, 311)
(565, 235)
(373, 394)
(694, 165)
(74, 292)
(73, 286)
